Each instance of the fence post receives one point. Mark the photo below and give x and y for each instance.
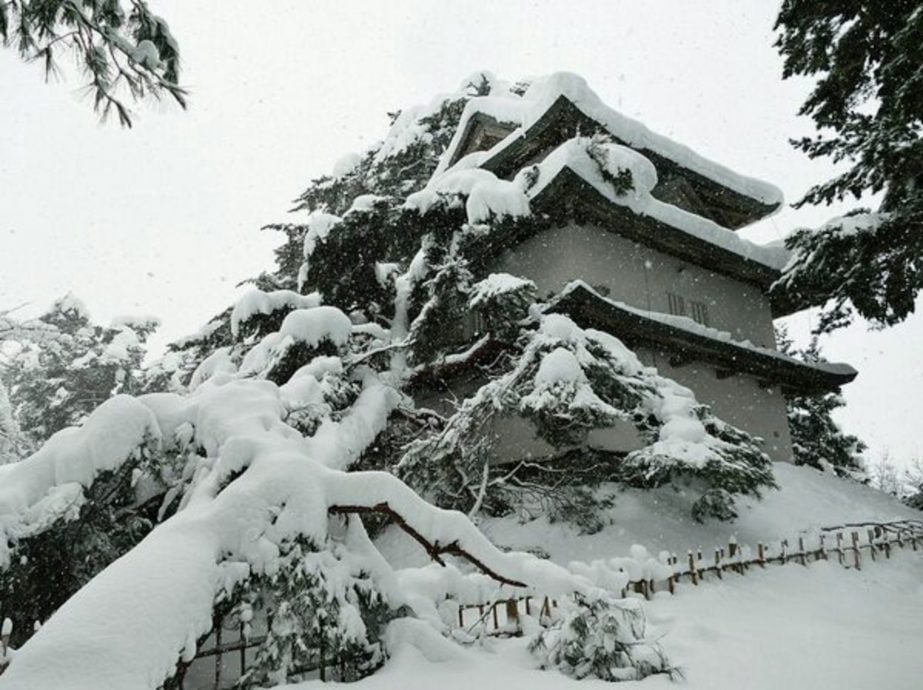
(243, 650)
(544, 616)
(496, 617)
(6, 630)
(783, 559)
(732, 550)
(871, 537)
(512, 613)
(855, 548)
(693, 573)
(822, 554)
(760, 554)
(718, 563)
(670, 581)
(801, 557)
(839, 547)
(218, 655)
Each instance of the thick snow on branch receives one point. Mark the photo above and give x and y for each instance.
(258, 302)
(258, 485)
(49, 484)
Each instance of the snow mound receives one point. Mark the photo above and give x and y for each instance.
(346, 165)
(311, 326)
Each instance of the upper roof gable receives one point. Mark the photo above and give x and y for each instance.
(516, 131)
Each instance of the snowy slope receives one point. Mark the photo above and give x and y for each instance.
(659, 519)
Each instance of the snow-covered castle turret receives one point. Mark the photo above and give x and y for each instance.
(641, 244)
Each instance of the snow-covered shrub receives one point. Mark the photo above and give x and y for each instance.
(107, 498)
(322, 610)
(63, 365)
(600, 637)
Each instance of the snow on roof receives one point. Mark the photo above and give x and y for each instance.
(686, 324)
(524, 110)
(488, 195)
(611, 158)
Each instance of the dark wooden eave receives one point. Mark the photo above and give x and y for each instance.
(590, 310)
(569, 197)
(676, 185)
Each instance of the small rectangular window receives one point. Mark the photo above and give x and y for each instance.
(677, 304)
(699, 312)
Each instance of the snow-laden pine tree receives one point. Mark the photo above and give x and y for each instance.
(55, 371)
(817, 440)
(60, 366)
(868, 110)
(290, 428)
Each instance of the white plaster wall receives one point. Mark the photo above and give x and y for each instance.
(738, 400)
(639, 276)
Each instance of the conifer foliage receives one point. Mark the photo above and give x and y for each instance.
(61, 366)
(817, 440)
(122, 47)
(868, 107)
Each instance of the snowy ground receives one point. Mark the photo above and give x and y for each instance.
(788, 627)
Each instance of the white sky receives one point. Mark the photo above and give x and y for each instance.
(164, 219)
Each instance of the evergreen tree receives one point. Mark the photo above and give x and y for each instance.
(59, 368)
(868, 106)
(122, 47)
(913, 478)
(65, 366)
(817, 439)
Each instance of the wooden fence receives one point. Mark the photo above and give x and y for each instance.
(849, 544)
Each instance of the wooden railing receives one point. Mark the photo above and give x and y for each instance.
(848, 544)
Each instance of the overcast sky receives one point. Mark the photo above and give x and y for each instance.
(164, 219)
